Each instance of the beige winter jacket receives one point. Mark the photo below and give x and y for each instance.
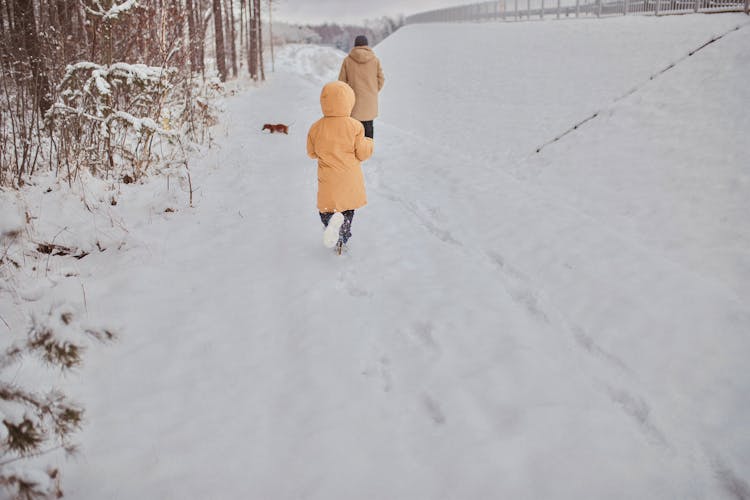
(339, 144)
(361, 70)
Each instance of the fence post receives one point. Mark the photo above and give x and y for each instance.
(541, 14)
(578, 8)
(558, 9)
(656, 9)
(528, 9)
(599, 8)
(747, 7)
(516, 10)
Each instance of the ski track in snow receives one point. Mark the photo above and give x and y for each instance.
(486, 335)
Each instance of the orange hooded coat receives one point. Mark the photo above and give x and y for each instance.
(339, 144)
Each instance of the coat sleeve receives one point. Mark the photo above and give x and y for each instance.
(381, 78)
(311, 144)
(363, 146)
(342, 73)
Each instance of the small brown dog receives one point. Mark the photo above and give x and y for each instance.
(279, 127)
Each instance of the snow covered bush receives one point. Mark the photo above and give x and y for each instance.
(122, 120)
(33, 423)
(191, 108)
(107, 118)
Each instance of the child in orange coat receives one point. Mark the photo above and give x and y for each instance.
(339, 144)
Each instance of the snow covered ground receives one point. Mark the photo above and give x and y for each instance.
(570, 324)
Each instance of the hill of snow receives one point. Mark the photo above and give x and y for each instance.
(317, 63)
(570, 324)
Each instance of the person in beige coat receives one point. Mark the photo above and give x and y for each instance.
(339, 144)
(361, 70)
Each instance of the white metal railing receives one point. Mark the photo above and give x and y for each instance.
(518, 10)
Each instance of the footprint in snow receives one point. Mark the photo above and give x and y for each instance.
(422, 332)
(434, 411)
(355, 291)
(382, 372)
(346, 282)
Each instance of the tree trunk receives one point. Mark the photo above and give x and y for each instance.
(199, 39)
(154, 48)
(232, 34)
(13, 40)
(66, 17)
(192, 35)
(177, 35)
(9, 15)
(221, 61)
(270, 34)
(202, 19)
(31, 43)
(252, 53)
(228, 37)
(3, 38)
(243, 45)
(260, 40)
(107, 41)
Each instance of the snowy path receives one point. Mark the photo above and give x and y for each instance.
(498, 329)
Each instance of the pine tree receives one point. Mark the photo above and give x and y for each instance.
(36, 423)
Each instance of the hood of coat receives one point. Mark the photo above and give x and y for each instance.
(337, 99)
(362, 54)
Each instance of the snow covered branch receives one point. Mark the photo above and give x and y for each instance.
(114, 110)
(34, 424)
(112, 12)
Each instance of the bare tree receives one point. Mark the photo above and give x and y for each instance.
(26, 22)
(192, 34)
(255, 40)
(221, 61)
(252, 41)
(231, 35)
(243, 42)
(270, 33)
(201, 26)
(260, 44)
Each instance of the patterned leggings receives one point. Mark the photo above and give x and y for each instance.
(346, 228)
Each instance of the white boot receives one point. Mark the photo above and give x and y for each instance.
(331, 233)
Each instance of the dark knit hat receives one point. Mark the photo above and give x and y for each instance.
(360, 40)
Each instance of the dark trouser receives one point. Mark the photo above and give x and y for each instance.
(369, 131)
(346, 228)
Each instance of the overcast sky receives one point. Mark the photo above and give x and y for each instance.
(352, 11)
